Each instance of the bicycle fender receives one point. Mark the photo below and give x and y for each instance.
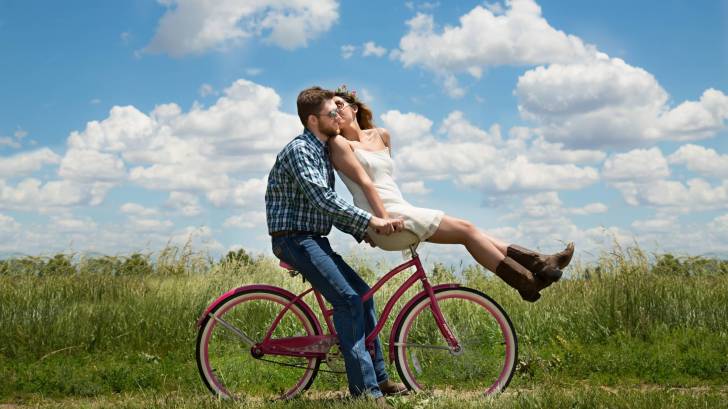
(259, 287)
(415, 299)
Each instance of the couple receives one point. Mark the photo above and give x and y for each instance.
(302, 206)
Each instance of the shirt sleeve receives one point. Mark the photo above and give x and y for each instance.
(309, 175)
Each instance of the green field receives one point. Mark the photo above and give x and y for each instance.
(626, 331)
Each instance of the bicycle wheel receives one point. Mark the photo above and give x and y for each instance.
(489, 347)
(226, 363)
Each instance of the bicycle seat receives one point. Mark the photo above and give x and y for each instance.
(396, 241)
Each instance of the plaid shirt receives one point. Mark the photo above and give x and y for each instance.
(300, 193)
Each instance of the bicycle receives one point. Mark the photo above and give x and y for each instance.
(265, 340)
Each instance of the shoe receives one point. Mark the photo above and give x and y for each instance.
(546, 267)
(518, 277)
(390, 387)
(381, 402)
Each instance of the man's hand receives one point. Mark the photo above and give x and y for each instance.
(386, 226)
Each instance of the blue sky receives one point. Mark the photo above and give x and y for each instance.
(128, 125)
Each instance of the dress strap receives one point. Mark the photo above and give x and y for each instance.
(382, 138)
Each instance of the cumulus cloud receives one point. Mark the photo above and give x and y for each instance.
(520, 36)
(372, 49)
(246, 220)
(32, 194)
(203, 150)
(196, 26)
(347, 51)
(671, 195)
(701, 160)
(607, 102)
(135, 209)
(25, 163)
(475, 158)
(186, 203)
(576, 95)
(637, 165)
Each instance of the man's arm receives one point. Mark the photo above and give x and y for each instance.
(302, 165)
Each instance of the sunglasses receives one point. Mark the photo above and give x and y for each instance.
(331, 114)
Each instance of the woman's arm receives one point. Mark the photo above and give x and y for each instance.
(344, 160)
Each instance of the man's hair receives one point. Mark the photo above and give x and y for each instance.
(310, 100)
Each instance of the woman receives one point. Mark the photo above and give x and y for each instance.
(363, 160)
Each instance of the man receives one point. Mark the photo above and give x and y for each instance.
(301, 207)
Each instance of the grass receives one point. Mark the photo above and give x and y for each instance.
(120, 331)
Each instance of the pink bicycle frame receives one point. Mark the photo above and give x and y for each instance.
(316, 346)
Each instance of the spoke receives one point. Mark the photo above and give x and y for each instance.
(246, 339)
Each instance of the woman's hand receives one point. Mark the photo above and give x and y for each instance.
(386, 226)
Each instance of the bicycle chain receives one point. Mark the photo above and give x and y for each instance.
(296, 366)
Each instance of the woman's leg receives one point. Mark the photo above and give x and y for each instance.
(485, 250)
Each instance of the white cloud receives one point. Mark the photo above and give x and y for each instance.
(205, 90)
(607, 102)
(136, 209)
(20, 133)
(591, 208)
(246, 220)
(7, 141)
(670, 195)
(253, 71)
(203, 150)
(695, 120)
(196, 26)
(347, 51)
(406, 128)
(187, 203)
(663, 225)
(146, 225)
(371, 49)
(25, 163)
(639, 165)
(416, 188)
(70, 224)
(475, 158)
(520, 36)
(89, 165)
(31, 194)
(701, 160)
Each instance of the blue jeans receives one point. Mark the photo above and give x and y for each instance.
(327, 272)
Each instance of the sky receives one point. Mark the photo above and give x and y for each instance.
(129, 126)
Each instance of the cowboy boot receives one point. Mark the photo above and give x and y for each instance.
(390, 387)
(518, 277)
(546, 267)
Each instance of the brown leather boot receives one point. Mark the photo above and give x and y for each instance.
(390, 387)
(546, 267)
(520, 278)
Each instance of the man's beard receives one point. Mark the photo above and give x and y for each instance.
(330, 131)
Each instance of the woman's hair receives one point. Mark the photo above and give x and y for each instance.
(363, 113)
(309, 102)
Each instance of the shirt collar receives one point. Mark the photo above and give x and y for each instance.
(311, 137)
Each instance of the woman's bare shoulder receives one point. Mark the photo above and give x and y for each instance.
(385, 136)
(339, 143)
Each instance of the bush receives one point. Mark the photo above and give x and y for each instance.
(60, 264)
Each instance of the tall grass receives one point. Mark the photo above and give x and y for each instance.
(89, 326)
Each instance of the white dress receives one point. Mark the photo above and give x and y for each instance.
(421, 221)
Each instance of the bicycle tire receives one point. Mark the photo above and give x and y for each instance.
(472, 316)
(244, 374)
